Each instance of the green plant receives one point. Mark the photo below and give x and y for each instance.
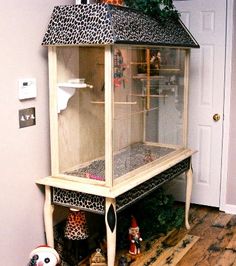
(159, 215)
(156, 214)
(159, 9)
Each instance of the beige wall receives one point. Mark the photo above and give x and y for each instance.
(231, 184)
(24, 153)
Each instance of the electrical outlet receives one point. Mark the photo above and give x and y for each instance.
(27, 117)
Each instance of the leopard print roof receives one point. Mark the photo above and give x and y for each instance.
(109, 24)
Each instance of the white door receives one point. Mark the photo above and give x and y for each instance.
(206, 20)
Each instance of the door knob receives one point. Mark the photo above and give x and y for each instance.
(216, 117)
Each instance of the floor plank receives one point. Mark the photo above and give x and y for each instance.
(228, 256)
(217, 247)
(156, 248)
(205, 228)
(163, 254)
(176, 253)
(214, 244)
(211, 241)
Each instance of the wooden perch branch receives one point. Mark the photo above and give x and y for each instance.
(124, 103)
(151, 95)
(134, 113)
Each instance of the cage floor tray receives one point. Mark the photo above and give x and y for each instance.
(125, 161)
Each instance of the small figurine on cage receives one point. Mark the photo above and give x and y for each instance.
(44, 255)
(148, 157)
(156, 60)
(134, 237)
(119, 68)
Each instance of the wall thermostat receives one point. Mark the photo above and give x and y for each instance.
(27, 88)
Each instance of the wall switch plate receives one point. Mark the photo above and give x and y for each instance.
(27, 88)
(27, 117)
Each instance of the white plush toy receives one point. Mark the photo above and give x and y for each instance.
(44, 256)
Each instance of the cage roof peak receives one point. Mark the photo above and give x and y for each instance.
(101, 24)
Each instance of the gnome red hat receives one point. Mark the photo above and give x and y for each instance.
(44, 255)
(133, 222)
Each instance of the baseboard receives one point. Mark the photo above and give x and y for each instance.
(228, 208)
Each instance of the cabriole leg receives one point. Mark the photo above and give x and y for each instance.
(189, 183)
(110, 217)
(48, 217)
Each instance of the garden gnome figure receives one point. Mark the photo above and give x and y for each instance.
(134, 237)
(44, 256)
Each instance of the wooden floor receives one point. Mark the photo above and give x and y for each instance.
(210, 241)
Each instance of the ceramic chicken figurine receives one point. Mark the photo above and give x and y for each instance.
(44, 256)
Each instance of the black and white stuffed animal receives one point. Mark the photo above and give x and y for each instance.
(44, 256)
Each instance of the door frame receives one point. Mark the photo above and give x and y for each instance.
(227, 93)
